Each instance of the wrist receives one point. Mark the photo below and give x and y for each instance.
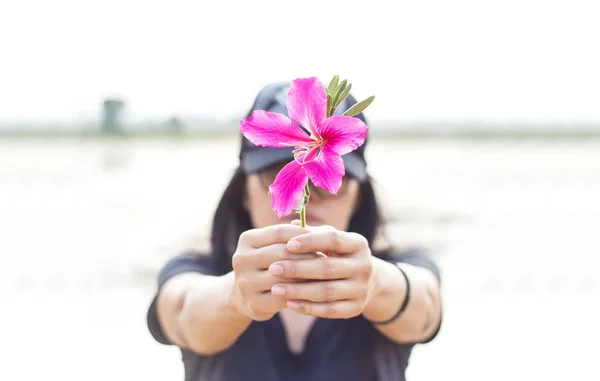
(209, 322)
(232, 304)
(389, 292)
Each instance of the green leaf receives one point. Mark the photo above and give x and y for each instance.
(340, 88)
(343, 95)
(299, 206)
(335, 96)
(329, 100)
(303, 201)
(359, 107)
(333, 84)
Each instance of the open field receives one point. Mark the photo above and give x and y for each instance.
(514, 224)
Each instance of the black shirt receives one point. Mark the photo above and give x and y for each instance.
(336, 349)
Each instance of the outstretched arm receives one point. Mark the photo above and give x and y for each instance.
(195, 312)
(422, 315)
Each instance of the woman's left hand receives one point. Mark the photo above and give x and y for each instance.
(337, 285)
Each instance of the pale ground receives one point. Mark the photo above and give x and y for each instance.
(86, 224)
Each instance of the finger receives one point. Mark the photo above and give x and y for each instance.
(313, 228)
(327, 240)
(269, 235)
(266, 304)
(319, 291)
(261, 281)
(263, 257)
(322, 268)
(333, 310)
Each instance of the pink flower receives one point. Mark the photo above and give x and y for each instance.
(318, 152)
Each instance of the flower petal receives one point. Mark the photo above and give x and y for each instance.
(326, 171)
(270, 129)
(288, 188)
(307, 103)
(343, 134)
(308, 155)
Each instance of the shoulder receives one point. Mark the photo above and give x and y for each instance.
(185, 262)
(414, 256)
(188, 261)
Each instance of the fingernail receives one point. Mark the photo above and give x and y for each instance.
(293, 245)
(277, 290)
(276, 269)
(293, 304)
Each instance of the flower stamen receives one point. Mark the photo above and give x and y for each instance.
(307, 152)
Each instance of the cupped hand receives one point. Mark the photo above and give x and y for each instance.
(257, 249)
(337, 285)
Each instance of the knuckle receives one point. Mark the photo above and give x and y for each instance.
(355, 310)
(244, 284)
(241, 259)
(328, 268)
(365, 268)
(362, 291)
(306, 308)
(328, 290)
(237, 260)
(361, 238)
(336, 239)
(278, 233)
(244, 238)
(331, 310)
(291, 291)
(282, 252)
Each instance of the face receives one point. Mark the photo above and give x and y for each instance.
(323, 208)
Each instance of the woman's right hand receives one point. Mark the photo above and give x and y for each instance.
(257, 249)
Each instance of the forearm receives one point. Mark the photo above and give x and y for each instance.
(422, 314)
(203, 319)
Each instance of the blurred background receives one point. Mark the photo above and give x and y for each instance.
(118, 132)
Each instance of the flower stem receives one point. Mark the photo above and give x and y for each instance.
(303, 216)
(305, 197)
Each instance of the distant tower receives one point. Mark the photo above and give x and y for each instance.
(111, 116)
(174, 126)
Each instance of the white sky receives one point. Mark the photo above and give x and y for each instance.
(424, 60)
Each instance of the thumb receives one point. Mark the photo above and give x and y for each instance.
(297, 222)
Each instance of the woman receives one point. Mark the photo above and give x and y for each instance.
(263, 306)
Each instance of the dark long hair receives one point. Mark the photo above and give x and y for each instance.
(231, 219)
